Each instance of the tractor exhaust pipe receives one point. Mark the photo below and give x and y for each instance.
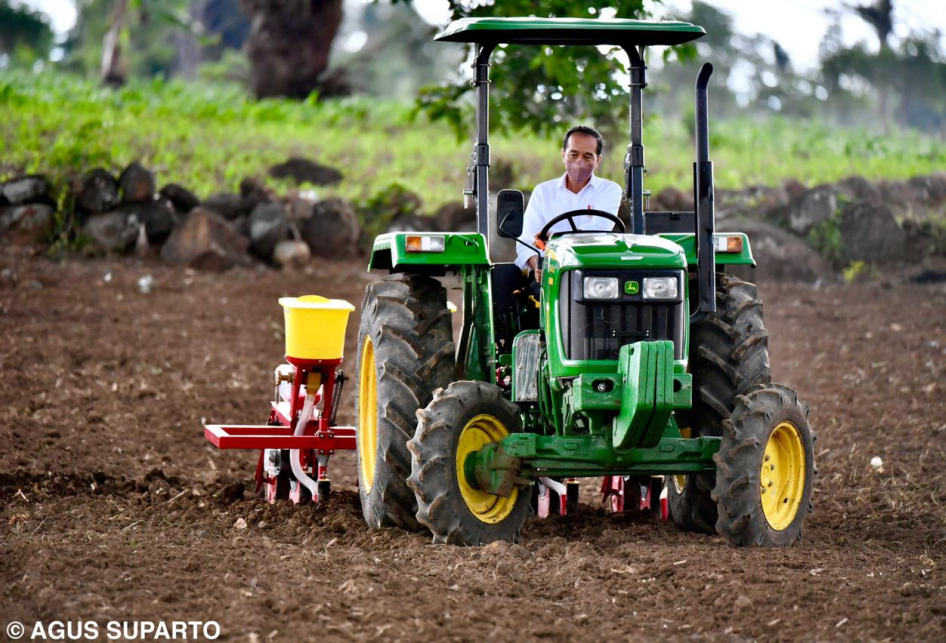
(702, 113)
(703, 199)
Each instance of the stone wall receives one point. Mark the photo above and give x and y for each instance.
(796, 232)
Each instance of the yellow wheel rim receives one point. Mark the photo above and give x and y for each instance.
(782, 479)
(477, 433)
(367, 414)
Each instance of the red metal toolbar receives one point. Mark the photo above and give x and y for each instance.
(250, 436)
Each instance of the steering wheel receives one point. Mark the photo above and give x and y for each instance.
(570, 217)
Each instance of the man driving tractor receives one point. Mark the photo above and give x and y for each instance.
(577, 189)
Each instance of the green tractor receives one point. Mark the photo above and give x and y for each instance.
(637, 356)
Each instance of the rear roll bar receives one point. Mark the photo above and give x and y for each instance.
(703, 200)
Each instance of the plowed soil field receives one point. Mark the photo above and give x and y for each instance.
(115, 507)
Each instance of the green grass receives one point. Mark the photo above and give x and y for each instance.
(208, 137)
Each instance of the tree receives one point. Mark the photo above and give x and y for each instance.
(905, 80)
(672, 89)
(542, 88)
(25, 34)
(123, 38)
(114, 70)
(289, 44)
(879, 16)
(398, 55)
(908, 82)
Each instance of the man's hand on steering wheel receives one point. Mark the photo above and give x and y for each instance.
(543, 236)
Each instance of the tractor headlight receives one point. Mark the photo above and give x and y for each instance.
(660, 288)
(601, 288)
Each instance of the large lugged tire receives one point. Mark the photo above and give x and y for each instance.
(460, 420)
(729, 355)
(765, 469)
(405, 352)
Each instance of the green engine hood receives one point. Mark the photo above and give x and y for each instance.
(613, 250)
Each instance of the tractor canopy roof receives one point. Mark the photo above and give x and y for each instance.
(570, 31)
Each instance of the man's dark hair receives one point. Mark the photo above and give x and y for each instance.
(584, 129)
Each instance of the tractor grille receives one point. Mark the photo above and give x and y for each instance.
(596, 330)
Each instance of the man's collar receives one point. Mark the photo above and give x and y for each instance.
(593, 182)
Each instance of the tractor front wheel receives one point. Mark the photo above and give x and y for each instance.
(764, 469)
(729, 355)
(459, 421)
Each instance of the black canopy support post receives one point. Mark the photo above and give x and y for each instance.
(481, 148)
(704, 199)
(634, 160)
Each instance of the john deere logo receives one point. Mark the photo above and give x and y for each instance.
(631, 287)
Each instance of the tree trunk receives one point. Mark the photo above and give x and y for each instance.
(289, 44)
(114, 67)
(189, 50)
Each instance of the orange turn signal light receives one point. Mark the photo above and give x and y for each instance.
(729, 244)
(425, 243)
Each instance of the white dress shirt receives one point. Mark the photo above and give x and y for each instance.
(552, 198)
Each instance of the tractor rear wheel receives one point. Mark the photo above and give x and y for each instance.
(765, 469)
(459, 421)
(405, 352)
(729, 355)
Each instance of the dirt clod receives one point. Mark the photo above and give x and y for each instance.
(231, 493)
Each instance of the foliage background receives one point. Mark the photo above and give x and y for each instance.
(186, 112)
(209, 137)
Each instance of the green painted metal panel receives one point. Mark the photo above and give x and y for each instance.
(636, 364)
(460, 249)
(688, 243)
(476, 351)
(663, 394)
(559, 365)
(586, 396)
(571, 31)
(682, 390)
(647, 397)
(526, 456)
(613, 250)
(595, 250)
(593, 455)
